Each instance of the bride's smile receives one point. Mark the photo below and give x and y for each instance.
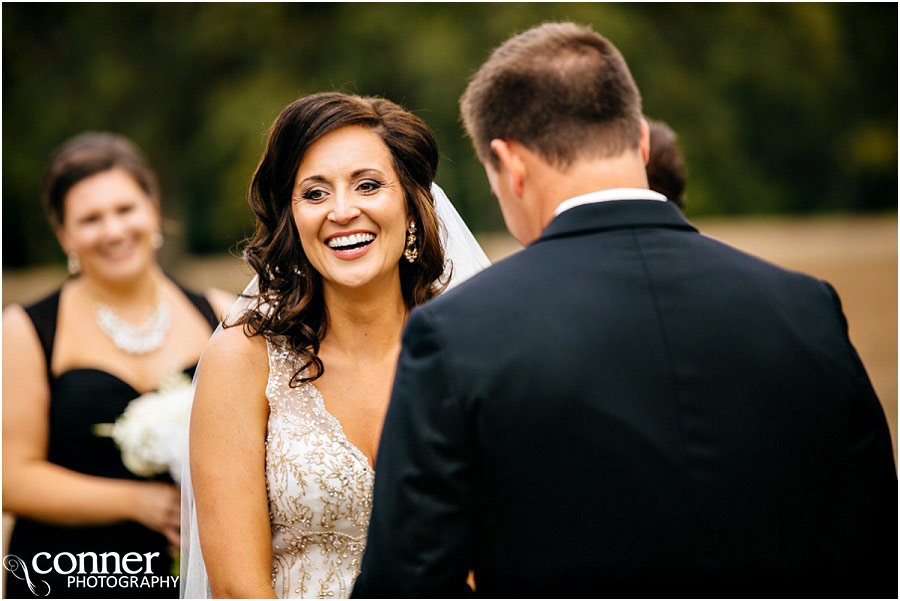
(350, 245)
(349, 207)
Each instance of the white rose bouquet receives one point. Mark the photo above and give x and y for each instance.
(152, 430)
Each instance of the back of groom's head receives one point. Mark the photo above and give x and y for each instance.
(560, 89)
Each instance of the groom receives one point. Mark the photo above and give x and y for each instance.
(625, 407)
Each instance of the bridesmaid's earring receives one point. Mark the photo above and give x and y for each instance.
(156, 239)
(411, 252)
(74, 264)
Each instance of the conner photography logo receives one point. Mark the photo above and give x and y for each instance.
(88, 570)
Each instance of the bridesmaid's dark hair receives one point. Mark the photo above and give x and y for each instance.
(88, 154)
(290, 302)
(666, 173)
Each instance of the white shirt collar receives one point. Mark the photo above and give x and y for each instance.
(607, 195)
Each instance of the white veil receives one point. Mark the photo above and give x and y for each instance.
(463, 259)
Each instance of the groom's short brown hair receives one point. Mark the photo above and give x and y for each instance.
(561, 89)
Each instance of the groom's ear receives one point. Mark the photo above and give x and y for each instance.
(510, 158)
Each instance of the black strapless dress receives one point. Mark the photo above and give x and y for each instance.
(79, 399)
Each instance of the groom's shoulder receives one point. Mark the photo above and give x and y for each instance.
(490, 288)
(753, 268)
(502, 274)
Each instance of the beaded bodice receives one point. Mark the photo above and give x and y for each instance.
(319, 488)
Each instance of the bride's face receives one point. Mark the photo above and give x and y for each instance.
(349, 208)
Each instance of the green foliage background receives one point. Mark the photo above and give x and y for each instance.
(788, 108)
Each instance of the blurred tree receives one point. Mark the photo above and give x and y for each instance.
(779, 107)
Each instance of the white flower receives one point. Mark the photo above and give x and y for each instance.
(151, 432)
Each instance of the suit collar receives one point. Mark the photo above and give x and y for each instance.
(608, 195)
(617, 214)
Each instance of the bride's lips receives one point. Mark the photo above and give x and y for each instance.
(364, 237)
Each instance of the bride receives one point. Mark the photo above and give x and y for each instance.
(291, 394)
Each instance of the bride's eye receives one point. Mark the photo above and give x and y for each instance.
(314, 195)
(369, 186)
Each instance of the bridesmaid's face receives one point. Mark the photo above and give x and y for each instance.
(109, 223)
(349, 208)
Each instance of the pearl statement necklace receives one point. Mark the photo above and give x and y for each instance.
(135, 339)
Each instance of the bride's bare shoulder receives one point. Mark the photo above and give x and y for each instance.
(231, 382)
(232, 351)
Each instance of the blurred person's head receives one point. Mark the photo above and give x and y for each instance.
(666, 173)
(342, 181)
(546, 103)
(103, 200)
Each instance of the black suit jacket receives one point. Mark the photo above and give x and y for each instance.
(629, 408)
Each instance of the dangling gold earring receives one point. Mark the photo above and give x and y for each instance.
(156, 239)
(411, 252)
(74, 264)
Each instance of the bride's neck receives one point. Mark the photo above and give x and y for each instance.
(365, 322)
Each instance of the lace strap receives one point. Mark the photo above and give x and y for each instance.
(281, 367)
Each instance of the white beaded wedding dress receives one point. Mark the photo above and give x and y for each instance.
(319, 488)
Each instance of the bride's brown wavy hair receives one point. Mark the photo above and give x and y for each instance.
(290, 302)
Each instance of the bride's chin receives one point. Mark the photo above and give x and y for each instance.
(350, 285)
(357, 282)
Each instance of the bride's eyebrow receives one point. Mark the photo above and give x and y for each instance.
(354, 175)
(366, 170)
(311, 178)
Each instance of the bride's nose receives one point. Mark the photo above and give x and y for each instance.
(344, 209)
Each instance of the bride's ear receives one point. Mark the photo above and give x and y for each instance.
(508, 154)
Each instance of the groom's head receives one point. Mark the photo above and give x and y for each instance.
(549, 101)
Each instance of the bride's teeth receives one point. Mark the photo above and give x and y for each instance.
(350, 240)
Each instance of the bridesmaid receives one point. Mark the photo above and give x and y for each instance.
(112, 332)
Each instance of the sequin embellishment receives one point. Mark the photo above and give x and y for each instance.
(319, 488)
